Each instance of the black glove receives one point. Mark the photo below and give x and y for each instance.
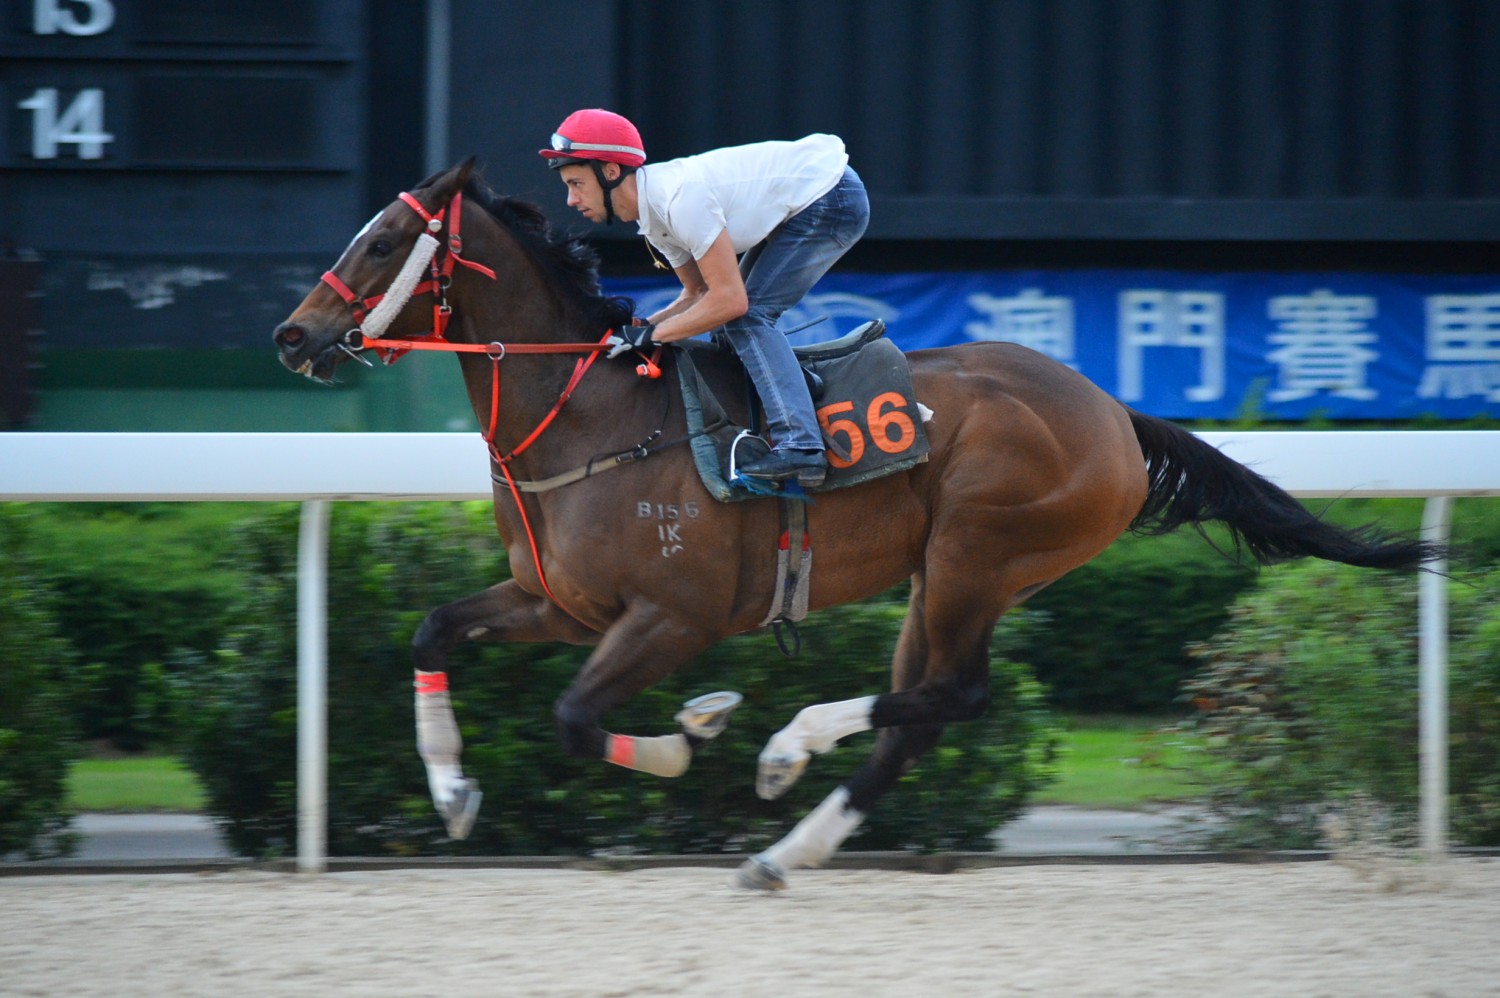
(629, 338)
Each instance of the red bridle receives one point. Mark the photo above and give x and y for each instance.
(441, 276)
(436, 285)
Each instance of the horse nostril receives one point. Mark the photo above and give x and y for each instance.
(288, 335)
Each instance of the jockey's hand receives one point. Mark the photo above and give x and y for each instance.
(630, 338)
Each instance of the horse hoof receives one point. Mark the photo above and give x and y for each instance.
(756, 874)
(778, 773)
(459, 813)
(707, 716)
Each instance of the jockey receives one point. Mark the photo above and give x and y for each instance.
(748, 230)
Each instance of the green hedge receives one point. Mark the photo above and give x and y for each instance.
(194, 602)
(390, 564)
(36, 732)
(136, 584)
(1308, 699)
(1118, 628)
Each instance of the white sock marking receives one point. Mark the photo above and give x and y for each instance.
(818, 835)
(818, 728)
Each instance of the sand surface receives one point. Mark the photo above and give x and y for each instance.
(1278, 929)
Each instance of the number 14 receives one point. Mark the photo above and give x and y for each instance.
(82, 124)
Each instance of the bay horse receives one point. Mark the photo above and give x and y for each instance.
(1033, 471)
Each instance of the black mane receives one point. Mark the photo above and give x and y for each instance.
(569, 259)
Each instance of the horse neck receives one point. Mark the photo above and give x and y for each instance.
(530, 385)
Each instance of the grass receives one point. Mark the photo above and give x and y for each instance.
(1118, 762)
(135, 783)
(1114, 762)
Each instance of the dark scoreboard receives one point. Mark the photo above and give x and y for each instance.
(137, 113)
(173, 173)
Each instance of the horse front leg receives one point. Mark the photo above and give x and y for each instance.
(505, 612)
(643, 647)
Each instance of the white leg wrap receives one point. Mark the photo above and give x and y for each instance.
(438, 740)
(664, 755)
(439, 744)
(818, 728)
(815, 729)
(816, 836)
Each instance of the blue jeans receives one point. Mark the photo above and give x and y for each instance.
(778, 273)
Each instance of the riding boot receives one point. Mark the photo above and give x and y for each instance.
(808, 467)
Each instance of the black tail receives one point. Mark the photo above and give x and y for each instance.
(1193, 483)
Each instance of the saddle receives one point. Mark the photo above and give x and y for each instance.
(861, 387)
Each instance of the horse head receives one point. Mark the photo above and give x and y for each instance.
(405, 250)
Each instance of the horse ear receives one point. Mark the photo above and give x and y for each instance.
(464, 171)
(442, 186)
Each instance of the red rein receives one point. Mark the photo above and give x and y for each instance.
(437, 285)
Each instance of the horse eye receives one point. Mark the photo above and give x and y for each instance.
(380, 248)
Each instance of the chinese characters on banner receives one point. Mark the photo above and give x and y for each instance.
(1197, 346)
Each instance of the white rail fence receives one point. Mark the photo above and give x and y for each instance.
(319, 468)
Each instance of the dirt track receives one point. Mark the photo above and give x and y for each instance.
(1275, 929)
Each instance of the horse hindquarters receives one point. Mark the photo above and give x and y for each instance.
(1034, 472)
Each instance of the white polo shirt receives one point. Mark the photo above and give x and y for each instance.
(685, 203)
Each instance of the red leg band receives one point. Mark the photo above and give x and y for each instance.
(620, 750)
(431, 682)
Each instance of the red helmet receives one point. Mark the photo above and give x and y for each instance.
(596, 134)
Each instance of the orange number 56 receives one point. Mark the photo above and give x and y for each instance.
(884, 418)
(848, 428)
(880, 423)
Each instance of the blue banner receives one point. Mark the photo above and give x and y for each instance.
(1196, 346)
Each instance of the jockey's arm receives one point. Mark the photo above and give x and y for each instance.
(692, 290)
(713, 293)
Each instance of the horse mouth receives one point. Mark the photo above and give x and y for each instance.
(321, 367)
(318, 367)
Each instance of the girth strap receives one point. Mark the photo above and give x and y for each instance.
(793, 574)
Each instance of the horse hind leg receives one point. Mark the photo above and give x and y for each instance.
(820, 834)
(926, 688)
(940, 675)
(814, 731)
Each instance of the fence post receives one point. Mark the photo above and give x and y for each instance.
(438, 96)
(1432, 666)
(312, 688)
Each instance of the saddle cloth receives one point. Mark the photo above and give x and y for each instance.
(872, 424)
